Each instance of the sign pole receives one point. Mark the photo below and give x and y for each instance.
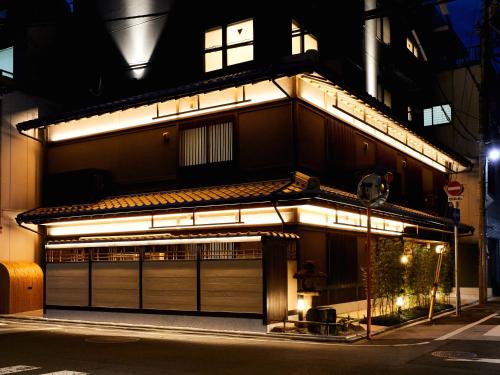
(373, 191)
(368, 274)
(457, 284)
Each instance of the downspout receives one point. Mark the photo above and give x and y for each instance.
(275, 204)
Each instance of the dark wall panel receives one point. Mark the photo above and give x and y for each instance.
(265, 138)
(276, 279)
(311, 140)
(133, 157)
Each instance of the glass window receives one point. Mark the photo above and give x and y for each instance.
(239, 54)
(213, 61)
(206, 144)
(228, 45)
(440, 114)
(7, 62)
(302, 40)
(412, 47)
(240, 32)
(384, 30)
(213, 38)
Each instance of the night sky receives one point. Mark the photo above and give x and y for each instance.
(466, 16)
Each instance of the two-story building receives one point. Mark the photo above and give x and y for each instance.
(201, 200)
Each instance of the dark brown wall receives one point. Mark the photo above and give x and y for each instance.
(311, 140)
(265, 137)
(340, 156)
(136, 156)
(312, 247)
(276, 279)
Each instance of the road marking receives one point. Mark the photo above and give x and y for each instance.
(461, 329)
(66, 372)
(18, 368)
(482, 360)
(495, 331)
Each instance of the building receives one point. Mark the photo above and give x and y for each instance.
(203, 195)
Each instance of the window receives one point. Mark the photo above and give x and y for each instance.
(384, 30)
(206, 145)
(384, 96)
(302, 40)
(440, 114)
(412, 47)
(410, 114)
(228, 45)
(7, 62)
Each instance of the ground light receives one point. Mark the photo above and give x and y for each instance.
(439, 249)
(404, 260)
(400, 301)
(301, 304)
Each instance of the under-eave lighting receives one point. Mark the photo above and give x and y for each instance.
(153, 242)
(170, 110)
(324, 95)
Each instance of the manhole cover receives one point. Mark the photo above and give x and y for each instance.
(111, 339)
(454, 354)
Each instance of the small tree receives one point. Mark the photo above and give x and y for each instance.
(387, 275)
(421, 273)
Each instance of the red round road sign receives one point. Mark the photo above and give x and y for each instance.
(454, 188)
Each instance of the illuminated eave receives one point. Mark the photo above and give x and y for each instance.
(325, 95)
(312, 88)
(169, 110)
(302, 214)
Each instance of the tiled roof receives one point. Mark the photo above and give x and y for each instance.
(298, 64)
(206, 196)
(298, 187)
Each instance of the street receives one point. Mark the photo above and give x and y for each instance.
(447, 346)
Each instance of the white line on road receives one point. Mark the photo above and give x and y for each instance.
(464, 328)
(495, 331)
(66, 372)
(482, 360)
(18, 368)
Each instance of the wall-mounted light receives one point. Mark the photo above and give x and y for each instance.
(404, 259)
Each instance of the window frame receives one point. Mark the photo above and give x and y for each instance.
(301, 33)
(224, 48)
(441, 108)
(208, 147)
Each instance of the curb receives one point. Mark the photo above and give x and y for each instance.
(238, 334)
(184, 330)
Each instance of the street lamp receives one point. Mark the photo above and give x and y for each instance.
(494, 154)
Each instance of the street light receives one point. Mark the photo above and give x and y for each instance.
(494, 154)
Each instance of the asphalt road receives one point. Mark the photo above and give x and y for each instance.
(467, 345)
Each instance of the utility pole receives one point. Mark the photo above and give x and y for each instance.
(483, 134)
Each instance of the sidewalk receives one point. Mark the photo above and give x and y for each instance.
(445, 319)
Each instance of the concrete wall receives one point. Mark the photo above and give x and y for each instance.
(20, 176)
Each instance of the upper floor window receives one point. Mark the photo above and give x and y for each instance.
(206, 144)
(384, 30)
(302, 40)
(384, 95)
(440, 114)
(412, 47)
(228, 45)
(7, 62)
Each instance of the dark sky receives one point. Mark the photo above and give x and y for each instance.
(466, 16)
